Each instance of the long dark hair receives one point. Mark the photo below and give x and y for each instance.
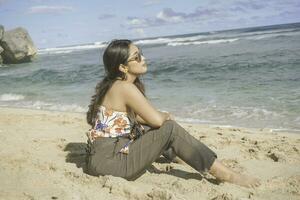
(116, 53)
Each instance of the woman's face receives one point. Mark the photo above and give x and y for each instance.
(136, 61)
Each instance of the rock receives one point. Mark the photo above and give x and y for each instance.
(18, 46)
(1, 31)
(1, 60)
(1, 49)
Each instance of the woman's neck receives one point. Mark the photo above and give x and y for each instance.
(130, 78)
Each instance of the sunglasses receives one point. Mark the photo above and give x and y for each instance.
(137, 58)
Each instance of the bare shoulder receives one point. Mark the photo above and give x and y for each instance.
(134, 99)
(122, 92)
(117, 96)
(129, 93)
(126, 89)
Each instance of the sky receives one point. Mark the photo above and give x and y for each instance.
(54, 23)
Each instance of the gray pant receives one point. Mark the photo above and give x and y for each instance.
(103, 157)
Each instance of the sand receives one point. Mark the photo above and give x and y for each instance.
(42, 157)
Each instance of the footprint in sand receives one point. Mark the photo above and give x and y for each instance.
(276, 156)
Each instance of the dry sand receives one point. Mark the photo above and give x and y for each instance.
(42, 157)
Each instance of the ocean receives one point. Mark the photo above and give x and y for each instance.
(242, 78)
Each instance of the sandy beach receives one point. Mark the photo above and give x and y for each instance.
(42, 157)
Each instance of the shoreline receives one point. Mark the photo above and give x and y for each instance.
(38, 144)
(271, 130)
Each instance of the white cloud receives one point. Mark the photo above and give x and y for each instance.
(136, 21)
(140, 32)
(49, 9)
(167, 16)
(248, 11)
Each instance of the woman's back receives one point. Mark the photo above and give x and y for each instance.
(112, 118)
(113, 99)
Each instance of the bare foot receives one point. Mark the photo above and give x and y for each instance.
(223, 173)
(244, 180)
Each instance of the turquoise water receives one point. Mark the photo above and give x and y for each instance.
(246, 77)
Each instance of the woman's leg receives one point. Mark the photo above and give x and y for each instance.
(155, 142)
(169, 153)
(172, 139)
(223, 173)
(104, 158)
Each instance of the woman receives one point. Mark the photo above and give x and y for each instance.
(116, 148)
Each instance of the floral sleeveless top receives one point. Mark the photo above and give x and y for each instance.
(111, 124)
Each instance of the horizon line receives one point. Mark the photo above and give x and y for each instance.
(163, 36)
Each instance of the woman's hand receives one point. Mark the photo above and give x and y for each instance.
(171, 117)
(167, 115)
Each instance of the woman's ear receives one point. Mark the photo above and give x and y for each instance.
(123, 68)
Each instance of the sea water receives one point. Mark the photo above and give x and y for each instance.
(244, 77)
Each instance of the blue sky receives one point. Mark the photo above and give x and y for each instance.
(55, 23)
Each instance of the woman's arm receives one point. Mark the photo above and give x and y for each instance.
(170, 117)
(142, 121)
(141, 106)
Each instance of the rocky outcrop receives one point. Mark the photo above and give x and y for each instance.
(1, 60)
(1, 31)
(1, 49)
(17, 46)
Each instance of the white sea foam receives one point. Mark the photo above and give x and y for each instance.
(263, 36)
(55, 106)
(217, 41)
(42, 105)
(72, 107)
(182, 40)
(192, 120)
(286, 130)
(223, 37)
(169, 40)
(154, 41)
(252, 112)
(58, 50)
(11, 97)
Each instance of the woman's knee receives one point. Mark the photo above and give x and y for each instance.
(170, 124)
(170, 127)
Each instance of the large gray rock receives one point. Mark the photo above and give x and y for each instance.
(18, 46)
(1, 31)
(1, 60)
(1, 49)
